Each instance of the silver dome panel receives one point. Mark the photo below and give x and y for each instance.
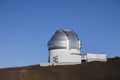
(63, 39)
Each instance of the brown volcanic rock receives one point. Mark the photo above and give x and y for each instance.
(109, 70)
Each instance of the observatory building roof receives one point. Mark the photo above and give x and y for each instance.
(63, 39)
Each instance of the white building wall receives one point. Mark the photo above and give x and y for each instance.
(64, 55)
(96, 57)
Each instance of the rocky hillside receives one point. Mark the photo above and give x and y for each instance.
(109, 70)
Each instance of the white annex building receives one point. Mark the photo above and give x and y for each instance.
(64, 48)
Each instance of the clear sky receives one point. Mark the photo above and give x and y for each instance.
(27, 25)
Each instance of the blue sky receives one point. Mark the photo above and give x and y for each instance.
(27, 25)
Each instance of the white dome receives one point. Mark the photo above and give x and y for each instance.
(63, 39)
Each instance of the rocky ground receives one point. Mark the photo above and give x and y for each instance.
(109, 70)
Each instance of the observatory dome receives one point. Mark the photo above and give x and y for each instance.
(64, 39)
